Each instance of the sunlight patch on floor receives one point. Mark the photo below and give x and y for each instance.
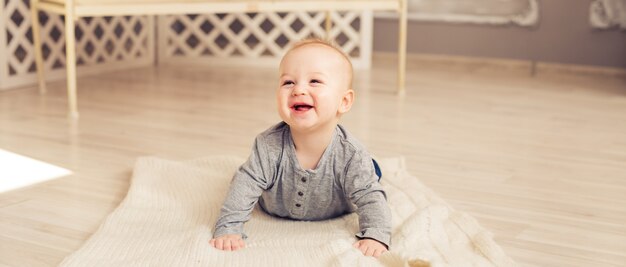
(17, 171)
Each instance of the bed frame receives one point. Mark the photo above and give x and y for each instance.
(75, 9)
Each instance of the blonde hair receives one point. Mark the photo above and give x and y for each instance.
(327, 43)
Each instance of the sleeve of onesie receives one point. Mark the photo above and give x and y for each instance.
(363, 189)
(247, 185)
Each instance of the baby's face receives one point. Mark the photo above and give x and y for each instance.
(313, 87)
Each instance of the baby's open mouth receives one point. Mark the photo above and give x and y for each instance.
(302, 107)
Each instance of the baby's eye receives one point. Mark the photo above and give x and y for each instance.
(316, 81)
(288, 82)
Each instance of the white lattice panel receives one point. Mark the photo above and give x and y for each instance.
(103, 43)
(258, 38)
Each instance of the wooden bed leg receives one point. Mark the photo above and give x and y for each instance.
(70, 59)
(328, 24)
(402, 22)
(34, 12)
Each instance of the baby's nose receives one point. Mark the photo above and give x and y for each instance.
(298, 90)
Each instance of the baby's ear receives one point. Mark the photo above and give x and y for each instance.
(346, 102)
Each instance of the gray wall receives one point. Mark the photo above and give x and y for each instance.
(563, 35)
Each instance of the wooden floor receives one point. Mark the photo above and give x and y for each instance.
(540, 161)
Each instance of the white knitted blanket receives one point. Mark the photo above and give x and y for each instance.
(168, 215)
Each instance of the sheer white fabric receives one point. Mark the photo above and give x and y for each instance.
(608, 13)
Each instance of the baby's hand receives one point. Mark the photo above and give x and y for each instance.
(228, 242)
(370, 247)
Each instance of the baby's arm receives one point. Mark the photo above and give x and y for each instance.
(247, 185)
(363, 189)
(235, 212)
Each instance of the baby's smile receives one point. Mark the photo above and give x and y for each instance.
(301, 107)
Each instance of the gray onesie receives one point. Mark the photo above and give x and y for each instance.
(343, 181)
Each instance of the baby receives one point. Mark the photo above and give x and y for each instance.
(308, 167)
